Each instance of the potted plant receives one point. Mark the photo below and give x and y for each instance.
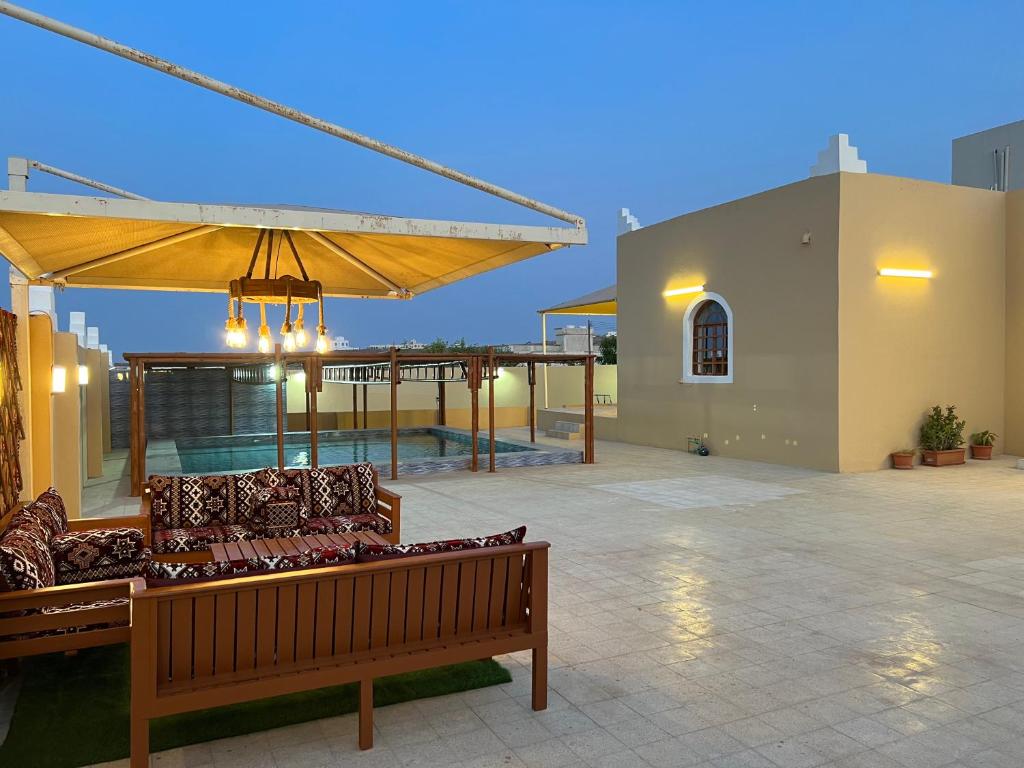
(903, 458)
(942, 438)
(981, 444)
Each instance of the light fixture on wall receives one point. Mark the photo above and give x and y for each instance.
(919, 273)
(276, 289)
(83, 374)
(58, 379)
(684, 291)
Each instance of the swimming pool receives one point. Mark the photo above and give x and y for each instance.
(433, 449)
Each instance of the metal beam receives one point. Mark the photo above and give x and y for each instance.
(337, 250)
(55, 171)
(320, 219)
(138, 250)
(290, 113)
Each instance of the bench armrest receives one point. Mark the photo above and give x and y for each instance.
(389, 504)
(140, 521)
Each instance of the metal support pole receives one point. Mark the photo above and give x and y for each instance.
(544, 349)
(290, 113)
(490, 406)
(394, 413)
(474, 400)
(588, 411)
(84, 180)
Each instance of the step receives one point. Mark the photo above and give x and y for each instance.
(568, 426)
(562, 434)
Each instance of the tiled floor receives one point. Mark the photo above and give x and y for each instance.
(858, 621)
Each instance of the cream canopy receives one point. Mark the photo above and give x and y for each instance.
(102, 242)
(600, 302)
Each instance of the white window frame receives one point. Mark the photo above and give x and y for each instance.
(689, 377)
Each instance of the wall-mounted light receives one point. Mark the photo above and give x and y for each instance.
(501, 371)
(83, 374)
(683, 291)
(59, 379)
(920, 273)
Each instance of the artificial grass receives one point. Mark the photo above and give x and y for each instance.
(73, 710)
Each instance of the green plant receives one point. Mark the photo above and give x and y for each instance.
(942, 431)
(985, 437)
(609, 350)
(905, 452)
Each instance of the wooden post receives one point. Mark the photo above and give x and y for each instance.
(531, 378)
(366, 714)
(313, 379)
(588, 410)
(539, 625)
(490, 406)
(279, 387)
(142, 666)
(355, 406)
(142, 425)
(394, 413)
(442, 406)
(231, 400)
(474, 400)
(364, 407)
(307, 408)
(133, 433)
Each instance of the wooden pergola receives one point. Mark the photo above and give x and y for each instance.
(478, 367)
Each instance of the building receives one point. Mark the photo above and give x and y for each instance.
(814, 324)
(340, 344)
(407, 344)
(576, 339)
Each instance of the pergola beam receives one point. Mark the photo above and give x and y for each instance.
(138, 250)
(15, 252)
(290, 113)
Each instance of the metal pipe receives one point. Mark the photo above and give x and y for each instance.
(85, 180)
(290, 113)
(337, 250)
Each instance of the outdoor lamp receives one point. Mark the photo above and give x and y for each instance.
(59, 379)
(83, 374)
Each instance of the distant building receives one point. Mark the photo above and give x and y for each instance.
(533, 347)
(576, 340)
(340, 344)
(407, 344)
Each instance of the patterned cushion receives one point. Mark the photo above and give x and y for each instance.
(348, 524)
(343, 490)
(160, 573)
(204, 500)
(197, 539)
(242, 490)
(109, 553)
(374, 552)
(25, 562)
(295, 478)
(50, 508)
(277, 512)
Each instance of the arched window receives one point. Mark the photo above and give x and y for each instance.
(708, 342)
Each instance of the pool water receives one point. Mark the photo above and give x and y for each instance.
(213, 455)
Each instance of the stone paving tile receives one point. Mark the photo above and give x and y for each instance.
(767, 617)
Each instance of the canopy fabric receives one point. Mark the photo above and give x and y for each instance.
(600, 302)
(150, 245)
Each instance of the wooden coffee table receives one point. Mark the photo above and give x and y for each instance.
(242, 550)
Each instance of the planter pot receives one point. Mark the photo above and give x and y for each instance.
(943, 458)
(902, 460)
(981, 452)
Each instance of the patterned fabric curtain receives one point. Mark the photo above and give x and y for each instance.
(12, 432)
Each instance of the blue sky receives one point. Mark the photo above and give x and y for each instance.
(663, 107)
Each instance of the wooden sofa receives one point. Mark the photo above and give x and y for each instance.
(210, 644)
(187, 514)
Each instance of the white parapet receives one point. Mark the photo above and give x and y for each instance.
(41, 300)
(92, 337)
(76, 325)
(627, 221)
(838, 156)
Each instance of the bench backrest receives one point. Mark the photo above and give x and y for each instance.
(201, 639)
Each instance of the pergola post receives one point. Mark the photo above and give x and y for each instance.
(531, 378)
(231, 399)
(474, 399)
(279, 389)
(394, 413)
(365, 422)
(355, 406)
(588, 411)
(133, 434)
(490, 406)
(442, 406)
(313, 378)
(544, 350)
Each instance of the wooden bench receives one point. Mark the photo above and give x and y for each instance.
(211, 644)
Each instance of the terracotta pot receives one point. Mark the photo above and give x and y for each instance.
(902, 460)
(981, 452)
(943, 458)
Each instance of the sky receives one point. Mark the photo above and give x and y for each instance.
(661, 107)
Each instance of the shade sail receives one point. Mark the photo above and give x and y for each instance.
(600, 302)
(143, 244)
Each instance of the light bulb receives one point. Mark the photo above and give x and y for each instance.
(288, 342)
(263, 344)
(230, 325)
(322, 344)
(241, 336)
(301, 337)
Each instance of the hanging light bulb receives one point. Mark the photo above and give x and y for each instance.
(322, 343)
(241, 336)
(230, 332)
(301, 337)
(263, 343)
(287, 335)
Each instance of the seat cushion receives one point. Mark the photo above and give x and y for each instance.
(25, 561)
(277, 512)
(108, 553)
(203, 500)
(348, 524)
(368, 553)
(197, 539)
(45, 517)
(344, 490)
(163, 573)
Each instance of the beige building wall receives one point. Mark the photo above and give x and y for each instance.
(783, 403)
(40, 359)
(1014, 435)
(96, 363)
(907, 344)
(68, 445)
